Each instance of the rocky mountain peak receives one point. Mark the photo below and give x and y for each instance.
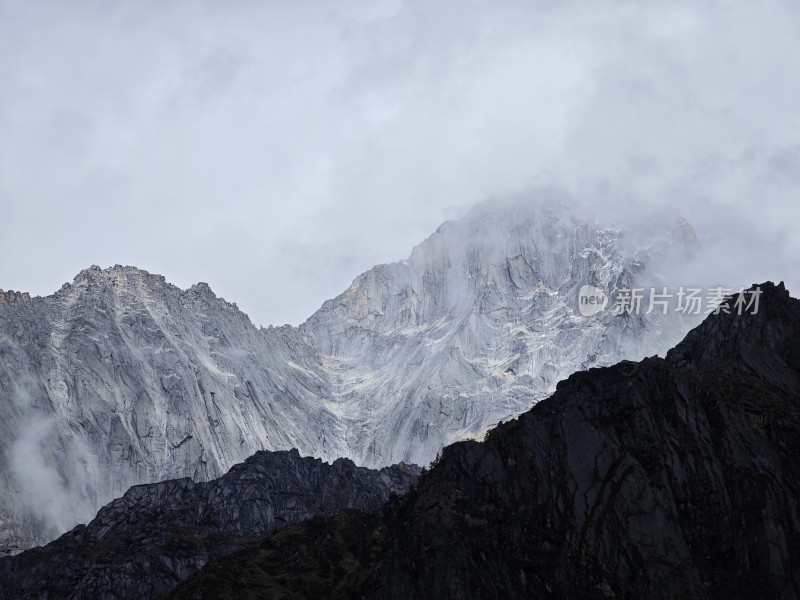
(117, 274)
(10, 298)
(482, 316)
(747, 326)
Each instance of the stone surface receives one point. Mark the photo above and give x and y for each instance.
(10, 297)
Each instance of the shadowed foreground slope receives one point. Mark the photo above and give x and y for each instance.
(668, 478)
(143, 544)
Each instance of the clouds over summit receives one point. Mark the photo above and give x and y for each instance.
(275, 150)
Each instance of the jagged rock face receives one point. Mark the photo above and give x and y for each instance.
(670, 478)
(479, 322)
(9, 297)
(120, 378)
(143, 544)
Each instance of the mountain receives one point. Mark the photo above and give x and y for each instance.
(673, 477)
(481, 321)
(120, 378)
(143, 544)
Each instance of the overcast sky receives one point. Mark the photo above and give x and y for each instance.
(277, 149)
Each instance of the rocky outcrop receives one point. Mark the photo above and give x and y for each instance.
(673, 477)
(10, 297)
(121, 378)
(143, 544)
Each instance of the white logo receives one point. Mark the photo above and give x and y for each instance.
(591, 300)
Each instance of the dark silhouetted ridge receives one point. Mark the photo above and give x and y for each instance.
(667, 478)
(143, 544)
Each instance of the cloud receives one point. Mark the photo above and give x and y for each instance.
(51, 476)
(276, 150)
(59, 501)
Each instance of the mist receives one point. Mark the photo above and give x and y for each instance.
(276, 150)
(57, 499)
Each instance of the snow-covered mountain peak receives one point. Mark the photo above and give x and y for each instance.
(481, 319)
